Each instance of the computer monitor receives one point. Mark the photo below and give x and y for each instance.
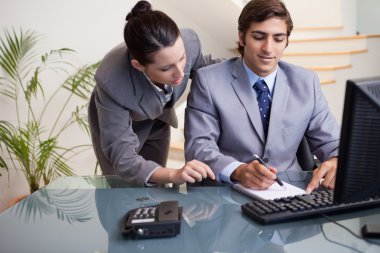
(358, 173)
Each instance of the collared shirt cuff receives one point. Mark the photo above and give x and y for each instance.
(225, 174)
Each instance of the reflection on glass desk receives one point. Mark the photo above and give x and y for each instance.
(84, 214)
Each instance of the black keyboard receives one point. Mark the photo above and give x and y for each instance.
(300, 206)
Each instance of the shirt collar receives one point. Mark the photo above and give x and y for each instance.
(154, 86)
(161, 93)
(269, 79)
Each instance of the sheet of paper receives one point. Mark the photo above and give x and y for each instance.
(273, 192)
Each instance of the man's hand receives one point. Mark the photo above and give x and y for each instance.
(327, 172)
(254, 175)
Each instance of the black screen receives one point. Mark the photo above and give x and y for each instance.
(358, 175)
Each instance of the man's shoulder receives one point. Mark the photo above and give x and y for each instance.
(224, 66)
(298, 76)
(289, 68)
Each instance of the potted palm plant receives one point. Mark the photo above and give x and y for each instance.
(31, 141)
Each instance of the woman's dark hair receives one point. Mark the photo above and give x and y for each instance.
(260, 10)
(147, 31)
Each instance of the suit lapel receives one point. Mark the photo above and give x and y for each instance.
(149, 101)
(247, 97)
(279, 103)
(146, 97)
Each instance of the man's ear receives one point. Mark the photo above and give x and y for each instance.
(241, 39)
(136, 64)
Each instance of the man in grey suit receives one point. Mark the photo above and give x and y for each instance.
(224, 122)
(132, 106)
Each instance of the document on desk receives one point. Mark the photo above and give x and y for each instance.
(273, 192)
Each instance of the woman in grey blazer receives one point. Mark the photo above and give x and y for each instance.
(131, 108)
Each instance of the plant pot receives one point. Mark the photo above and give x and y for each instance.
(17, 199)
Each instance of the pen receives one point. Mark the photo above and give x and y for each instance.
(277, 179)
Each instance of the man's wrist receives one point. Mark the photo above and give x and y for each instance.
(235, 175)
(225, 174)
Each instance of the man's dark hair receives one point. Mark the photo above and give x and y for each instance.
(257, 11)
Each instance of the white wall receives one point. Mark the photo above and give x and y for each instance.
(315, 13)
(368, 16)
(91, 27)
(215, 21)
(349, 16)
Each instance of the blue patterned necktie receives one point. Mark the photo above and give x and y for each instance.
(264, 102)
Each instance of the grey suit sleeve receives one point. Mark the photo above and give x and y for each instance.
(202, 127)
(195, 49)
(119, 143)
(323, 131)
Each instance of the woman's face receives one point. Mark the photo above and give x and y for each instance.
(168, 64)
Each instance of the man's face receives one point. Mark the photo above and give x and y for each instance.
(264, 44)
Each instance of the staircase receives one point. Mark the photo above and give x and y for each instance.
(334, 51)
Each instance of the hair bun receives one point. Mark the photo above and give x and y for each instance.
(140, 8)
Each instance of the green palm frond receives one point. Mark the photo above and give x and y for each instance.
(33, 85)
(16, 48)
(12, 140)
(82, 82)
(7, 89)
(79, 115)
(21, 146)
(26, 145)
(61, 52)
(54, 61)
(16, 56)
(60, 163)
(3, 164)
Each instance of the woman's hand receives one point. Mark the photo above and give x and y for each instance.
(192, 171)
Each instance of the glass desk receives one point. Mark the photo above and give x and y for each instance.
(84, 214)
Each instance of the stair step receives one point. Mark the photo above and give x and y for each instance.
(313, 32)
(329, 44)
(177, 145)
(329, 68)
(326, 82)
(316, 28)
(176, 150)
(337, 38)
(325, 53)
(320, 58)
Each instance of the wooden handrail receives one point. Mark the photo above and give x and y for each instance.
(373, 36)
(328, 68)
(348, 52)
(177, 145)
(326, 82)
(317, 28)
(352, 37)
